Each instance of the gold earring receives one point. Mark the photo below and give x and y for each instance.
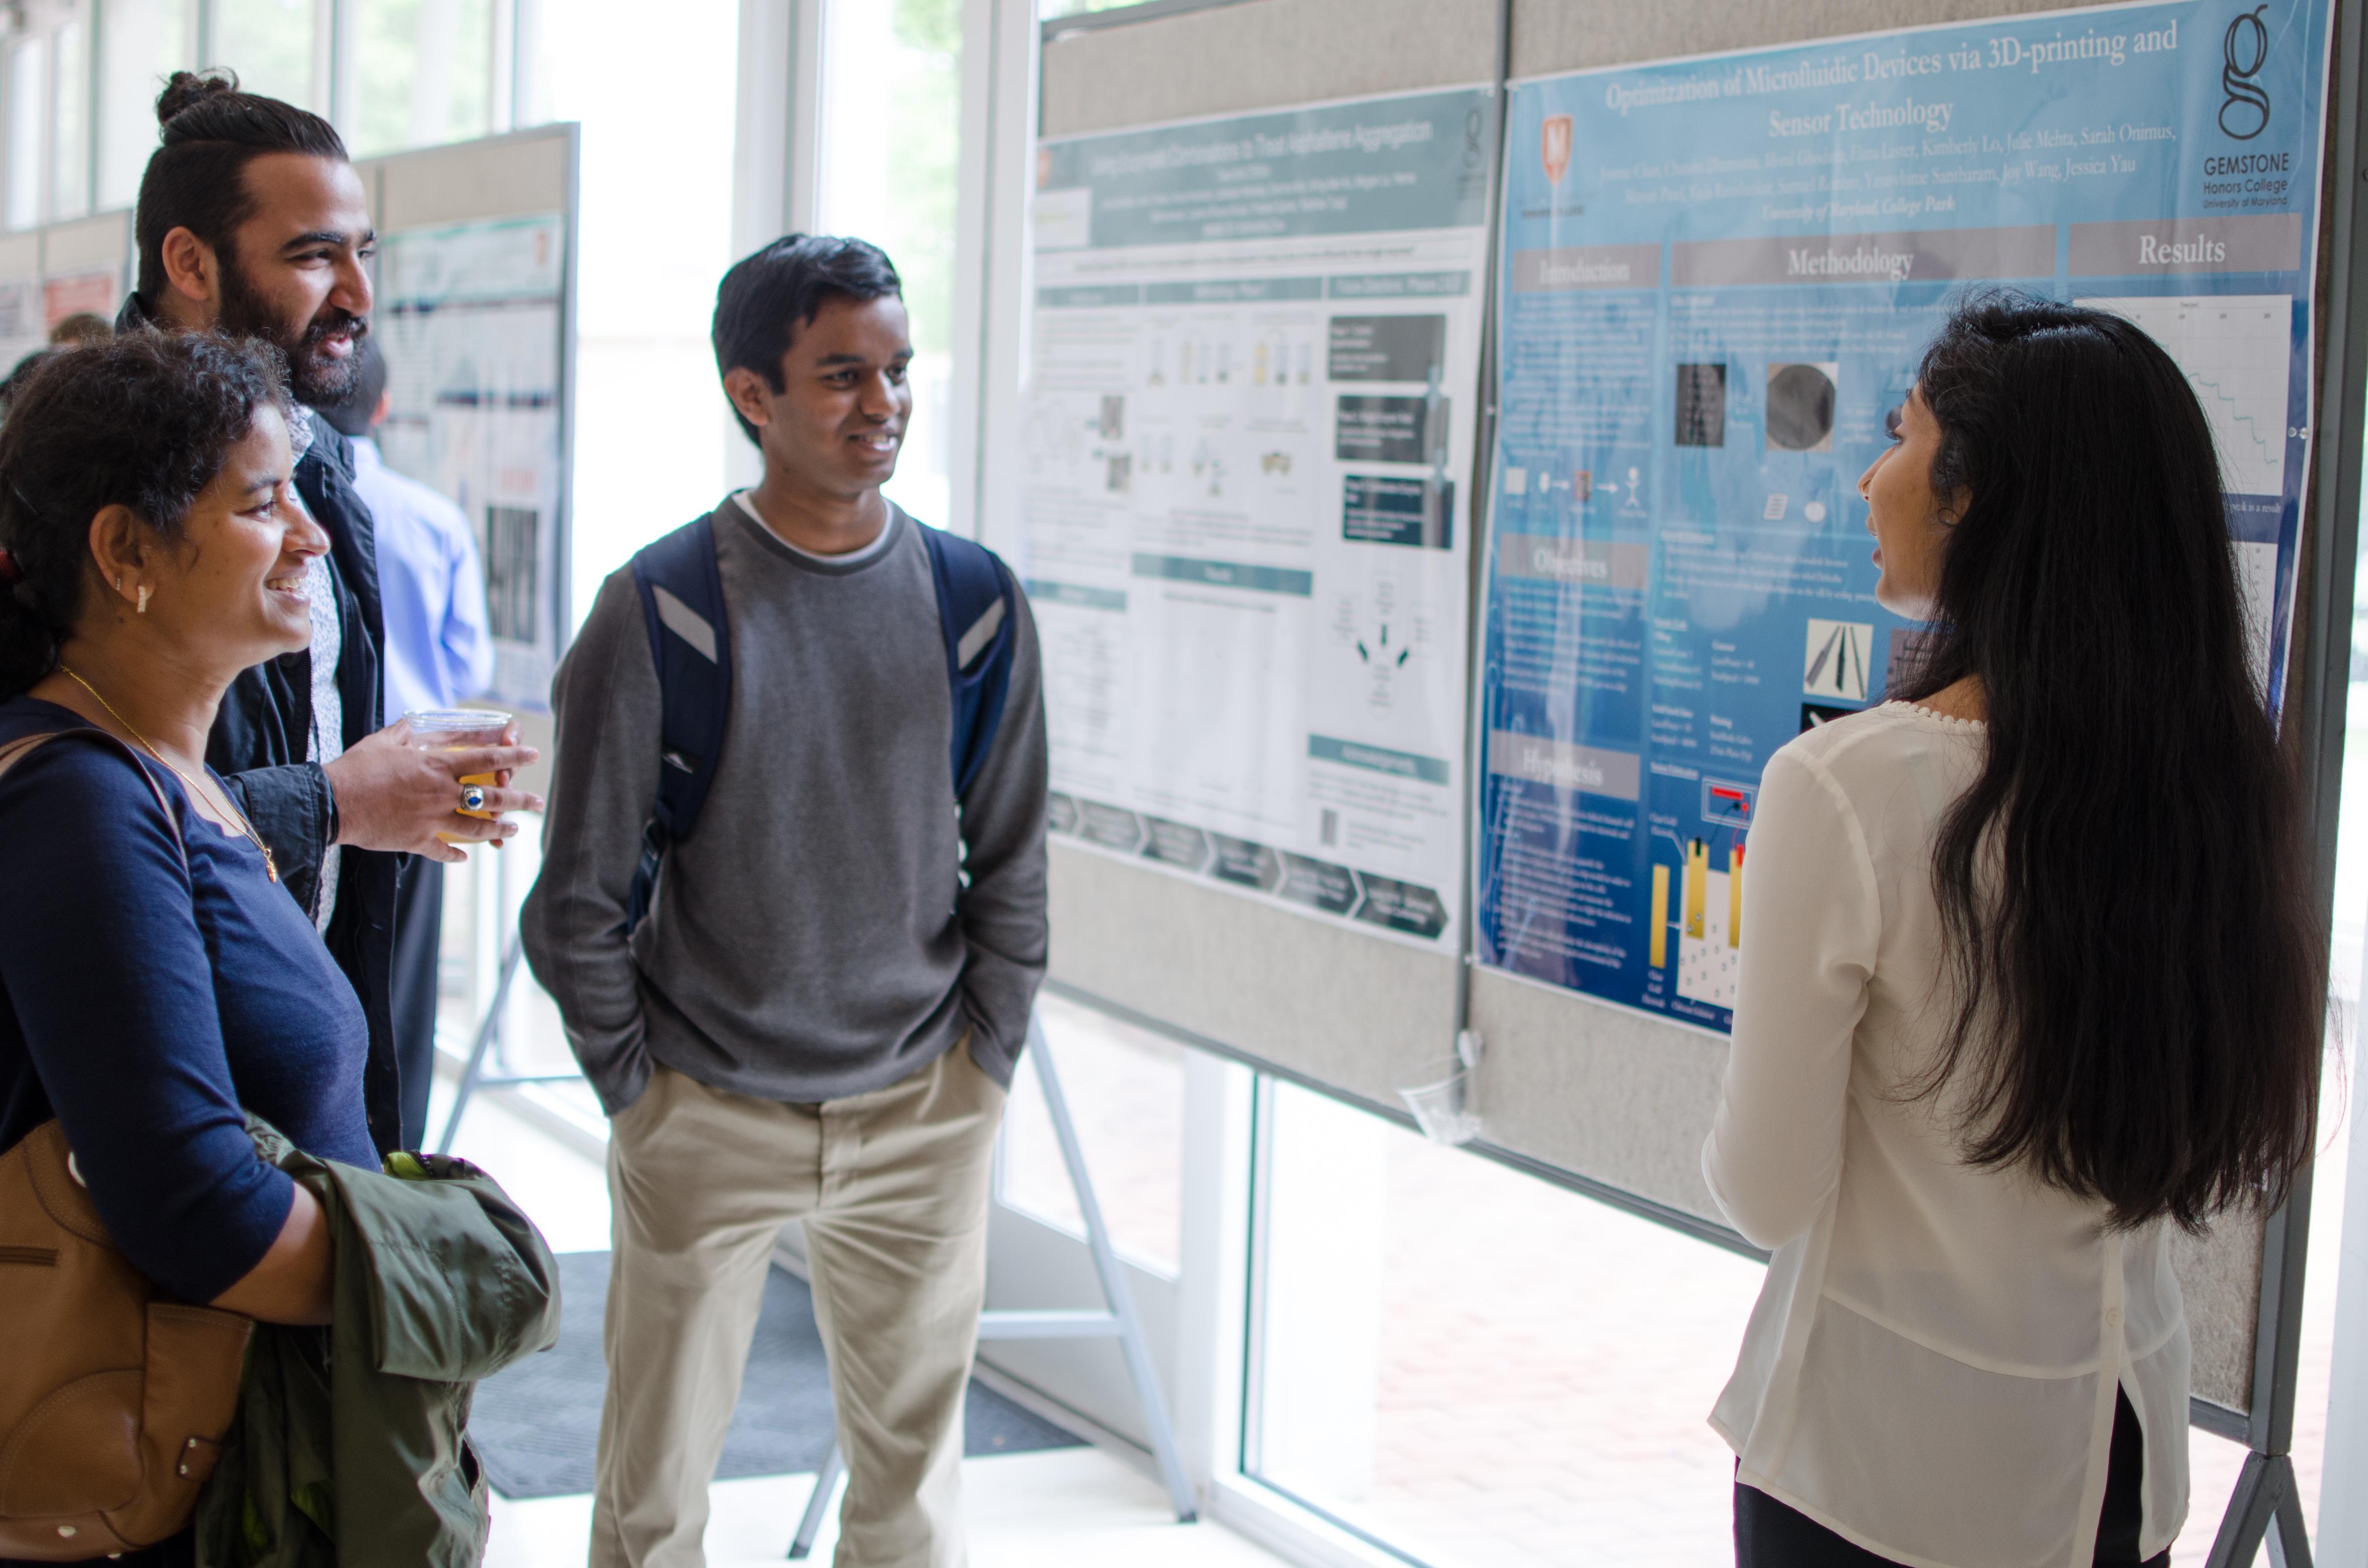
(145, 591)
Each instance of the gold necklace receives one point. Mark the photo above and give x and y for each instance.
(270, 866)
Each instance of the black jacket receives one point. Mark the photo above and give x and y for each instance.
(259, 745)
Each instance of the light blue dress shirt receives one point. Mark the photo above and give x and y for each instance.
(438, 649)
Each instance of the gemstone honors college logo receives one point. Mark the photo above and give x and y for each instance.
(1553, 147)
(2243, 50)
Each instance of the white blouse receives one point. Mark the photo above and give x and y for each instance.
(1932, 1366)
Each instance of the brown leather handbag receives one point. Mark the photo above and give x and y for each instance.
(114, 1398)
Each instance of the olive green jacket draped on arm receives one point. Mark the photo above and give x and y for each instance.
(350, 1448)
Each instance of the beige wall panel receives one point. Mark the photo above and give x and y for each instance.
(1262, 54)
(1357, 1011)
(1610, 1094)
(20, 255)
(474, 180)
(2220, 1274)
(105, 240)
(1576, 35)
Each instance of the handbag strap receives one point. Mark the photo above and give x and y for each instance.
(24, 746)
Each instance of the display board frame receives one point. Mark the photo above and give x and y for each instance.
(1161, 991)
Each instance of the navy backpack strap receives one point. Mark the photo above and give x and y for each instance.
(977, 615)
(691, 639)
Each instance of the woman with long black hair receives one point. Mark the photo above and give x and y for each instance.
(2033, 977)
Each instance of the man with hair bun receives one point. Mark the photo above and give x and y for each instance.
(250, 221)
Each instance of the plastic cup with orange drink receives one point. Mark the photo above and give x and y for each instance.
(461, 729)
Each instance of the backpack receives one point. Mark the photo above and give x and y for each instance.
(691, 639)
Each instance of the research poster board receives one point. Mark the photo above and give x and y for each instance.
(88, 290)
(472, 323)
(1254, 344)
(1716, 276)
(22, 330)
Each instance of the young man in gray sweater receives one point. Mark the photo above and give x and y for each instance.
(820, 1015)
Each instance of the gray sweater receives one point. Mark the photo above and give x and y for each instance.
(816, 936)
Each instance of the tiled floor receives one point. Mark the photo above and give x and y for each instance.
(1067, 1508)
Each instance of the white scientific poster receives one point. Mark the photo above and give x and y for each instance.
(1256, 341)
(471, 319)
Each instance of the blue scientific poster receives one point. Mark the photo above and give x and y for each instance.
(1717, 275)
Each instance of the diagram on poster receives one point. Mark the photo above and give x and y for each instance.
(471, 320)
(1254, 348)
(1717, 277)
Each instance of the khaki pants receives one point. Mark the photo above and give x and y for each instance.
(892, 1186)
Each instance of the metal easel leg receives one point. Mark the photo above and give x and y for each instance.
(1139, 1367)
(489, 1029)
(2289, 1537)
(2266, 1507)
(825, 1483)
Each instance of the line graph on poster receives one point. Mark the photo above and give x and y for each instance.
(2238, 351)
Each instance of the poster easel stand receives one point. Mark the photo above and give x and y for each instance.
(1118, 1321)
(2267, 1505)
(473, 1076)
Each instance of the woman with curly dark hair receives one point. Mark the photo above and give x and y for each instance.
(2035, 979)
(155, 979)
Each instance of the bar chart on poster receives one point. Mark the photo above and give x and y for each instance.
(1254, 345)
(1717, 277)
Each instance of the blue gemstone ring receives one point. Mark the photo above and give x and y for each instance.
(473, 797)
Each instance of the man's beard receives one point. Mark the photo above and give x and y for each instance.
(314, 378)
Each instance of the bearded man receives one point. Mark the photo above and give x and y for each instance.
(251, 221)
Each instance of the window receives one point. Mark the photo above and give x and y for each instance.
(656, 104)
(1476, 1367)
(1126, 1092)
(70, 129)
(270, 44)
(423, 71)
(141, 42)
(891, 98)
(28, 115)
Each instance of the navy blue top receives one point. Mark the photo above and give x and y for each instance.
(143, 1004)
